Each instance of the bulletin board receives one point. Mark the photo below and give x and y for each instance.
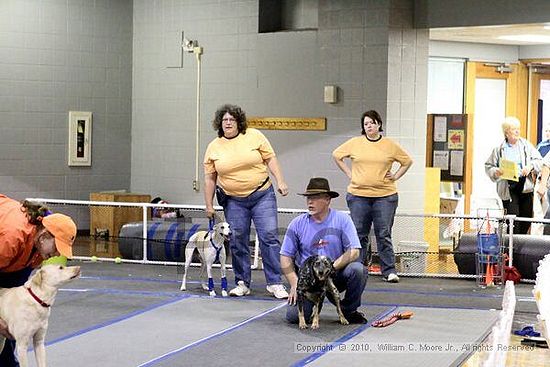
(446, 145)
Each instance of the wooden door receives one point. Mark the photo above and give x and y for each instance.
(539, 74)
(514, 97)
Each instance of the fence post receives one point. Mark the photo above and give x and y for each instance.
(511, 219)
(144, 233)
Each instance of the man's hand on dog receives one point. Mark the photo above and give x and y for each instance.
(4, 330)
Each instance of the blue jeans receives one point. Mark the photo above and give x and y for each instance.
(261, 207)
(352, 279)
(381, 211)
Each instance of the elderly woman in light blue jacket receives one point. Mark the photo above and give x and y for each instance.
(517, 197)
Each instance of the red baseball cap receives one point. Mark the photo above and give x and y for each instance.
(63, 229)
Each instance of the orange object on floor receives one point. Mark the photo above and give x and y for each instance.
(392, 318)
(489, 275)
(374, 268)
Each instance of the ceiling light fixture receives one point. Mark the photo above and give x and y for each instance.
(534, 38)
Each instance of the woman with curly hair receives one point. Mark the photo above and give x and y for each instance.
(29, 234)
(236, 167)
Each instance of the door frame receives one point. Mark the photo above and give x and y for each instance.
(515, 105)
(534, 94)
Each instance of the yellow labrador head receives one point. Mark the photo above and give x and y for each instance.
(55, 275)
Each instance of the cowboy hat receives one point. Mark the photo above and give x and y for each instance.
(319, 185)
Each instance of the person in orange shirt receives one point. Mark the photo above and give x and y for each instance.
(29, 234)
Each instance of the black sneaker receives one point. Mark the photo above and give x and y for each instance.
(356, 317)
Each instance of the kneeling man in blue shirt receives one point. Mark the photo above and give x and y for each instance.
(328, 232)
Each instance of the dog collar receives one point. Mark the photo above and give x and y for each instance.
(37, 299)
(214, 245)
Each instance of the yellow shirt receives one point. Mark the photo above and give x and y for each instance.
(370, 161)
(240, 162)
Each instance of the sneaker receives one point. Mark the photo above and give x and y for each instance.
(277, 290)
(392, 278)
(240, 290)
(356, 317)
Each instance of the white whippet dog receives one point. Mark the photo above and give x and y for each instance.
(210, 245)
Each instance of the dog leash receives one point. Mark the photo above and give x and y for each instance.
(392, 318)
(211, 223)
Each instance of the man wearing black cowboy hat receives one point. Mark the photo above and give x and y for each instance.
(328, 232)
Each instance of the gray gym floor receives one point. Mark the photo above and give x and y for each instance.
(135, 315)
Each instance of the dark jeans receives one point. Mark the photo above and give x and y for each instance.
(380, 211)
(522, 206)
(352, 279)
(10, 280)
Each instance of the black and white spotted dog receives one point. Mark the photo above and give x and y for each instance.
(210, 245)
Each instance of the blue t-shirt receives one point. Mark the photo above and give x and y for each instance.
(305, 237)
(512, 153)
(544, 147)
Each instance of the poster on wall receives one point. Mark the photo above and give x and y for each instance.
(446, 145)
(441, 159)
(456, 139)
(457, 165)
(440, 129)
(80, 138)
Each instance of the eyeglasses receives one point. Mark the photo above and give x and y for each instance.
(229, 119)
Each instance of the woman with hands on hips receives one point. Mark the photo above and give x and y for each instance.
(236, 167)
(372, 193)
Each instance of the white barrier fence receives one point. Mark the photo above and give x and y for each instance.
(541, 292)
(409, 229)
(499, 339)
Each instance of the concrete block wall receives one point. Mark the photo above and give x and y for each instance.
(274, 74)
(58, 56)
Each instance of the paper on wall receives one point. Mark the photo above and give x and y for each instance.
(440, 129)
(457, 162)
(441, 159)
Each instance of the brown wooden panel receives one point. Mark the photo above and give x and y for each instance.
(113, 218)
(288, 123)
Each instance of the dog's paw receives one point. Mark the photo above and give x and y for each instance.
(224, 293)
(183, 288)
(205, 287)
(343, 321)
(315, 325)
(212, 293)
(302, 325)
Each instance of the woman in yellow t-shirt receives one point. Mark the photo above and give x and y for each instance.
(238, 161)
(372, 194)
